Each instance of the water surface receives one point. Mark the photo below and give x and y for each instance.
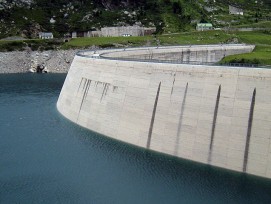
(44, 158)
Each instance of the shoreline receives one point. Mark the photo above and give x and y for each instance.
(22, 61)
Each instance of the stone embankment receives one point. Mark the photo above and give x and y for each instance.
(23, 61)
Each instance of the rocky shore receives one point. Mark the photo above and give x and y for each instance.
(24, 61)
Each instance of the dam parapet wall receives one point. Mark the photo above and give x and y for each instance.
(210, 114)
(182, 54)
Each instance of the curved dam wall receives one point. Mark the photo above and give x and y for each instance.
(181, 54)
(215, 115)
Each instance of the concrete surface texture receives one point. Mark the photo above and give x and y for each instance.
(181, 54)
(210, 114)
(121, 30)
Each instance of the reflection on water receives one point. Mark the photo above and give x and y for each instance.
(44, 158)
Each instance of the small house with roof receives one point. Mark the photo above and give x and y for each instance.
(46, 35)
(204, 26)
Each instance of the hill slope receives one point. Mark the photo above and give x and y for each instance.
(28, 17)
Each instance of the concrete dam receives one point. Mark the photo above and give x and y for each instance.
(163, 99)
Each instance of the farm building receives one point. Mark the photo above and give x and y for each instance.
(204, 26)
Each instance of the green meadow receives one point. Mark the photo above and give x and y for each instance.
(104, 42)
(260, 55)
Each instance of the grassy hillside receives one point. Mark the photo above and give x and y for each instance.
(262, 24)
(168, 16)
(36, 44)
(260, 55)
(104, 42)
(82, 15)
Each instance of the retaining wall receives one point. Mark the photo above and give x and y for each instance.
(215, 115)
(182, 54)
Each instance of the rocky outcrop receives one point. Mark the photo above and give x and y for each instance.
(5, 4)
(24, 61)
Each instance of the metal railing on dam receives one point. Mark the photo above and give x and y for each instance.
(220, 117)
(179, 50)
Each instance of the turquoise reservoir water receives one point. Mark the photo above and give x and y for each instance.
(44, 158)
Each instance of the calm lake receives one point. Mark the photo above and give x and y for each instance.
(44, 158)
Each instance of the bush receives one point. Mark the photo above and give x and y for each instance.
(268, 32)
(108, 45)
(245, 61)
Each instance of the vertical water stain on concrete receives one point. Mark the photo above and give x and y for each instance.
(214, 124)
(250, 121)
(172, 85)
(104, 91)
(188, 56)
(85, 82)
(80, 85)
(180, 121)
(108, 85)
(207, 55)
(153, 117)
(84, 96)
(115, 88)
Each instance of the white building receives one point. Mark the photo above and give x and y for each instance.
(46, 35)
(204, 26)
(122, 30)
(52, 20)
(115, 32)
